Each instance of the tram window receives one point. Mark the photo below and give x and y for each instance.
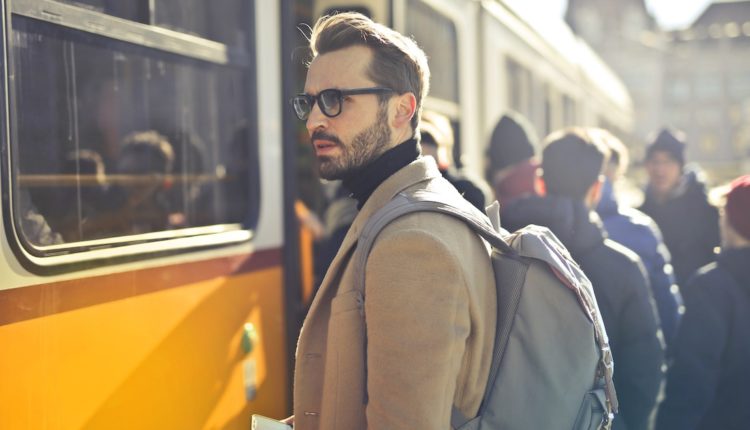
(219, 20)
(111, 140)
(436, 35)
(548, 127)
(569, 111)
(519, 88)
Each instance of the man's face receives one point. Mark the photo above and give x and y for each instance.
(664, 172)
(360, 133)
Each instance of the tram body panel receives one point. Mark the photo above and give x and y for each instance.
(156, 348)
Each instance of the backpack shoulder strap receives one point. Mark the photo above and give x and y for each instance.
(421, 201)
(487, 228)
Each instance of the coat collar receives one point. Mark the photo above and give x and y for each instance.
(419, 170)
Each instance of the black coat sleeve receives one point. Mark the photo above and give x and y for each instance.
(694, 373)
(640, 351)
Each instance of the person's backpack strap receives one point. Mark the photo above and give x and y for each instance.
(421, 201)
(514, 272)
(425, 201)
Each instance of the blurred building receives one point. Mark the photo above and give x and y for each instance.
(627, 37)
(696, 79)
(707, 87)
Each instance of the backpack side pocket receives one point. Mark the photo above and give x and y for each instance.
(592, 414)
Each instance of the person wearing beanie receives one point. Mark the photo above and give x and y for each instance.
(512, 167)
(707, 382)
(677, 200)
(671, 142)
(437, 141)
(639, 233)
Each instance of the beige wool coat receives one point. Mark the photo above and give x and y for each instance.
(430, 307)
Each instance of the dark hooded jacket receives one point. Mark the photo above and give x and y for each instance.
(475, 190)
(623, 295)
(689, 223)
(638, 232)
(707, 384)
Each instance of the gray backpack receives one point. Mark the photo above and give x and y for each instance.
(551, 366)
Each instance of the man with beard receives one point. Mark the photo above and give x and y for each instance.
(572, 164)
(677, 200)
(419, 342)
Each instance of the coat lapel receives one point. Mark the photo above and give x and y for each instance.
(422, 169)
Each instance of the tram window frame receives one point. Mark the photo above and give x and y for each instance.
(154, 42)
(519, 86)
(569, 111)
(444, 74)
(203, 19)
(448, 104)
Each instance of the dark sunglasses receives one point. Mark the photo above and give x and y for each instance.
(329, 101)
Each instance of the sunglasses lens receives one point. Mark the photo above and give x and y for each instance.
(302, 106)
(330, 102)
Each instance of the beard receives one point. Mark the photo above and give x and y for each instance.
(366, 146)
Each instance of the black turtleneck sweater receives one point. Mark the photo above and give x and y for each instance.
(362, 182)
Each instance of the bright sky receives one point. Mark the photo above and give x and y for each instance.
(670, 14)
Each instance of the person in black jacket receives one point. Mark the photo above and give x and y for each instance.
(639, 233)
(707, 384)
(676, 199)
(572, 163)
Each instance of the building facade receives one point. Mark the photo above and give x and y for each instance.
(696, 79)
(707, 87)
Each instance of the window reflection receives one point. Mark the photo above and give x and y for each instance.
(112, 139)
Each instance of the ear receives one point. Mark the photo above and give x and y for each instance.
(595, 192)
(404, 110)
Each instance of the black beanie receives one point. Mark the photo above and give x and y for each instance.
(512, 141)
(671, 142)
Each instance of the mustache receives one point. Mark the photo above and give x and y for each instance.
(321, 135)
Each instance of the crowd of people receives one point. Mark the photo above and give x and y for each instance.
(417, 345)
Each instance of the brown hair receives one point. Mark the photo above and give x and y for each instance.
(398, 63)
(572, 160)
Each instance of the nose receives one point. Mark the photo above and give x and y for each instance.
(316, 119)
